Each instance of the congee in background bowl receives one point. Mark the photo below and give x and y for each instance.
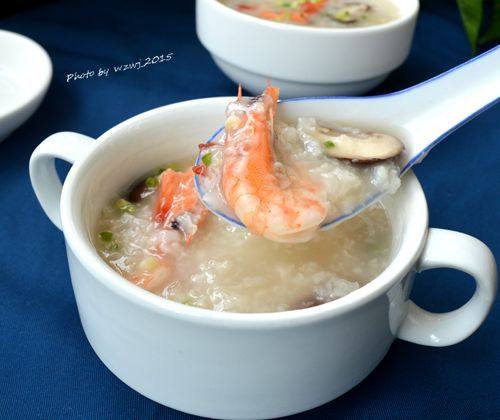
(304, 47)
(345, 14)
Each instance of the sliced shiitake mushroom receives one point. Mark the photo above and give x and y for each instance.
(137, 193)
(350, 12)
(143, 188)
(365, 147)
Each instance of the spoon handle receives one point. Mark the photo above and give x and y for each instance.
(440, 106)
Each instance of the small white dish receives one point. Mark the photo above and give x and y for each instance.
(301, 60)
(25, 74)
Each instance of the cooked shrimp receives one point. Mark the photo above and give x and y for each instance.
(177, 205)
(276, 205)
(300, 13)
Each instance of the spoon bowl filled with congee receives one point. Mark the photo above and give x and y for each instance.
(204, 273)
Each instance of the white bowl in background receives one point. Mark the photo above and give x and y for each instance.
(25, 74)
(301, 60)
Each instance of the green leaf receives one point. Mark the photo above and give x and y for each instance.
(493, 31)
(472, 16)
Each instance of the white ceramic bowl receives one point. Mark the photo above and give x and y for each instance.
(304, 61)
(241, 366)
(25, 74)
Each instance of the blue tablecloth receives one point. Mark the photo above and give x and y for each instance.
(47, 367)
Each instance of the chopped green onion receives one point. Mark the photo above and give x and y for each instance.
(174, 166)
(160, 171)
(106, 236)
(207, 159)
(329, 144)
(152, 181)
(126, 206)
(113, 246)
(344, 16)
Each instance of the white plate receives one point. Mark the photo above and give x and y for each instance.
(25, 74)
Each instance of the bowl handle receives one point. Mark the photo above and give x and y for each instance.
(68, 146)
(445, 248)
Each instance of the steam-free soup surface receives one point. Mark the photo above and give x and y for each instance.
(320, 13)
(225, 268)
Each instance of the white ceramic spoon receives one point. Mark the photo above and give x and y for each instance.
(421, 116)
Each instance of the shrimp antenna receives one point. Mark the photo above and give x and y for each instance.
(240, 92)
